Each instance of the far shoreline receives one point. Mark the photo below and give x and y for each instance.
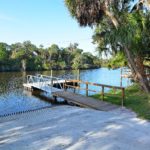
(69, 69)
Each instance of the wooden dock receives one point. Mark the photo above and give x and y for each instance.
(57, 88)
(84, 101)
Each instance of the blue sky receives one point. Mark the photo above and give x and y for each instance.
(42, 22)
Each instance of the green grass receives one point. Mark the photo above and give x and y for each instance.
(135, 99)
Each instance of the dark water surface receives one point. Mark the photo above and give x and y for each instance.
(13, 98)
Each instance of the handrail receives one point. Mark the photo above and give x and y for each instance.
(78, 87)
(97, 84)
(49, 77)
(43, 80)
(101, 85)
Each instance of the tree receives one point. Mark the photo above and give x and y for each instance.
(53, 52)
(28, 46)
(73, 47)
(118, 60)
(131, 37)
(67, 56)
(77, 62)
(23, 52)
(3, 52)
(26, 56)
(110, 15)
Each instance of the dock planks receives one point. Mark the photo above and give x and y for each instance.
(85, 101)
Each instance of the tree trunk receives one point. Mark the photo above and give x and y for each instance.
(135, 67)
(23, 65)
(138, 68)
(112, 18)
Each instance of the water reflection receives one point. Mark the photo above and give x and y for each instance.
(13, 98)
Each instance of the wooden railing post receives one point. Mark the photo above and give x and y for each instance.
(114, 90)
(51, 83)
(121, 78)
(123, 97)
(64, 85)
(51, 73)
(86, 89)
(74, 89)
(102, 92)
(78, 74)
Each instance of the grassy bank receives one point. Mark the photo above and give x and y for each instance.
(135, 99)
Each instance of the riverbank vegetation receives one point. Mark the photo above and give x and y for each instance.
(115, 61)
(120, 27)
(26, 56)
(135, 99)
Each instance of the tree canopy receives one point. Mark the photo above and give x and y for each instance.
(121, 26)
(26, 56)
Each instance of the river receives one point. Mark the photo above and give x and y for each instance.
(13, 98)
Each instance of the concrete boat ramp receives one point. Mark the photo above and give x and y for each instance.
(74, 128)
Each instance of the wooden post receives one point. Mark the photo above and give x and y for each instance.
(74, 86)
(114, 90)
(86, 89)
(78, 74)
(51, 73)
(51, 83)
(123, 97)
(74, 89)
(121, 81)
(102, 92)
(121, 78)
(65, 88)
(55, 99)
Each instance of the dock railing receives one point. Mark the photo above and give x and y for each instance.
(102, 91)
(43, 80)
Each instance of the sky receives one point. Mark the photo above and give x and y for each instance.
(43, 22)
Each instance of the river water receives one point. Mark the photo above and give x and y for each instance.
(13, 98)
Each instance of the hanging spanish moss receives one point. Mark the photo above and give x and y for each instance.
(87, 12)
